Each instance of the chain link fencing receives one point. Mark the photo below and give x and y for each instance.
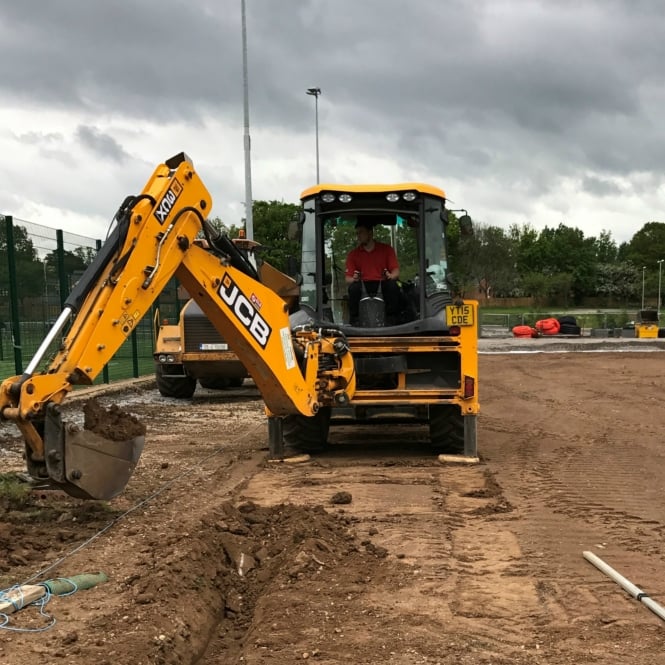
(39, 266)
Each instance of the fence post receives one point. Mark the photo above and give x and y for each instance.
(135, 355)
(13, 295)
(62, 277)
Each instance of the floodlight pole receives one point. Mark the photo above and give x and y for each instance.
(249, 218)
(660, 273)
(643, 272)
(315, 92)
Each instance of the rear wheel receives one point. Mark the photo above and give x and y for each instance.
(180, 387)
(446, 429)
(307, 434)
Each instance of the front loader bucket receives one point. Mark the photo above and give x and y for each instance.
(87, 464)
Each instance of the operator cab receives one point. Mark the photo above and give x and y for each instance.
(412, 218)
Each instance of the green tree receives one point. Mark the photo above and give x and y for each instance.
(86, 254)
(232, 231)
(644, 250)
(525, 238)
(618, 282)
(71, 261)
(548, 289)
(606, 248)
(73, 266)
(29, 269)
(271, 221)
(535, 284)
(489, 258)
(558, 251)
(647, 246)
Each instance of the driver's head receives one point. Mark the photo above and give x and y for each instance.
(364, 232)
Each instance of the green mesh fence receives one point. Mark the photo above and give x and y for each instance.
(39, 266)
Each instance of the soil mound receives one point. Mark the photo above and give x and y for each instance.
(113, 423)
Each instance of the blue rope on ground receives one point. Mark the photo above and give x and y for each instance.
(19, 604)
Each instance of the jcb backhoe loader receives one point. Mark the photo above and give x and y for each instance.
(418, 362)
(298, 369)
(192, 350)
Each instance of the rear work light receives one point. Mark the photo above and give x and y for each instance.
(469, 387)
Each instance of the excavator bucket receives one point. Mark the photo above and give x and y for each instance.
(96, 461)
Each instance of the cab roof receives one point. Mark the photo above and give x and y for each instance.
(355, 189)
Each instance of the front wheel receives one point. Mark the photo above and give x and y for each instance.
(446, 429)
(307, 434)
(180, 387)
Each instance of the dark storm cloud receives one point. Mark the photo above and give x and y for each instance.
(521, 94)
(101, 144)
(148, 59)
(599, 186)
(524, 66)
(514, 85)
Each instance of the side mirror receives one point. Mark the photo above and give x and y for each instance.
(292, 268)
(466, 225)
(465, 222)
(294, 230)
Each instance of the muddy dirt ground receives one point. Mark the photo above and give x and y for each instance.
(214, 555)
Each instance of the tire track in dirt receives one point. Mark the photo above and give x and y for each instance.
(451, 534)
(453, 565)
(596, 489)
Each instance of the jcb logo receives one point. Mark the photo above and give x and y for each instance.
(241, 306)
(168, 201)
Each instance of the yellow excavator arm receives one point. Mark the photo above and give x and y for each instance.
(153, 240)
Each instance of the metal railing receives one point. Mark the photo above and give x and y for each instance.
(496, 324)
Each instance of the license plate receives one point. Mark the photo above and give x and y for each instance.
(214, 347)
(459, 315)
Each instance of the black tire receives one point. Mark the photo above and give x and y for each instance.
(307, 434)
(446, 429)
(567, 320)
(180, 387)
(569, 329)
(236, 381)
(215, 382)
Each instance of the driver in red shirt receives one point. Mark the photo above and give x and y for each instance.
(372, 262)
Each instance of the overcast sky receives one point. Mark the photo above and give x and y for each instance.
(544, 112)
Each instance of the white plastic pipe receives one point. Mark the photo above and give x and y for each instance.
(625, 584)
